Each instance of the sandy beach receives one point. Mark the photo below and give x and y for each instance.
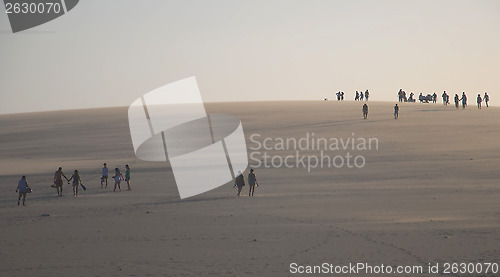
(429, 194)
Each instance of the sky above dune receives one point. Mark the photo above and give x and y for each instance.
(109, 53)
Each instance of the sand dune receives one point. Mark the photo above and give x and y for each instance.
(430, 193)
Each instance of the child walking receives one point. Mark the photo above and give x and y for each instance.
(118, 178)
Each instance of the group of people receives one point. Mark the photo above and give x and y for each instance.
(402, 96)
(240, 182)
(463, 99)
(58, 182)
(340, 96)
(360, 96)
(23, 186)
(446, 98)
(118, 177)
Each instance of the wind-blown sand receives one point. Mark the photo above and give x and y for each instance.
(430, 193)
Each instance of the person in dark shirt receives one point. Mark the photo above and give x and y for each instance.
(365, 111)
(252, 181)
(239, 182)
(22, 188)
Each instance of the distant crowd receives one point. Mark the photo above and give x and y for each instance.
(446, 98)
(403, 97)
(359, 96)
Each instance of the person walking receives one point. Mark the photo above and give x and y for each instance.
(118, 178)
(239, 182)
(479, 101)
(486, 99)
(365, 111)
(104, 176)
(252, 181)
(127, 176)
(357, 96)
(58, 182)
(23, 188)
(367, 95)
(464, 100)
(396, 111)
(77, 180)
(457, 100)
(445, 98)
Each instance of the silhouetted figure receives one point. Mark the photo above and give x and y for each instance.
(434, 97)
(22, 188)
(457, 100)
(421, 98)
(400, 95)
(118, 178)
(464, 100)
(396, 111)
(365, 111)
(367, 95)
(104, 176)
(252, 181)
(357, 96)
(338, 96)
(77, 180)
(445, 98)
(361, 97)
(411, 97)
(342, 96)
(239, 182)
(486, 99)
(58, 182)
(404, 96)
(479, 101)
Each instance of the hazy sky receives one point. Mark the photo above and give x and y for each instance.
(108, 53)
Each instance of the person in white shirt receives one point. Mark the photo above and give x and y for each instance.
(22, 188)
(104, 176)
(118, 178)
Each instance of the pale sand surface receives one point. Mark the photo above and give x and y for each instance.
(431, 193)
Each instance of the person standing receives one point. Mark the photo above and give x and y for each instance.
(365, 111)
(361, 96)
(445, 98)
(127, 176)
(342, 96)
(118, 178)
(58, 182)
(457, 100)
(22, 188)
(434, 97)
(104, 176)
(252, 181)
(357, 96)
(367, 94)
(396, 111)
(479, 101)
(486, 99)
(77, 180)
(464, 100)
(239, 182)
